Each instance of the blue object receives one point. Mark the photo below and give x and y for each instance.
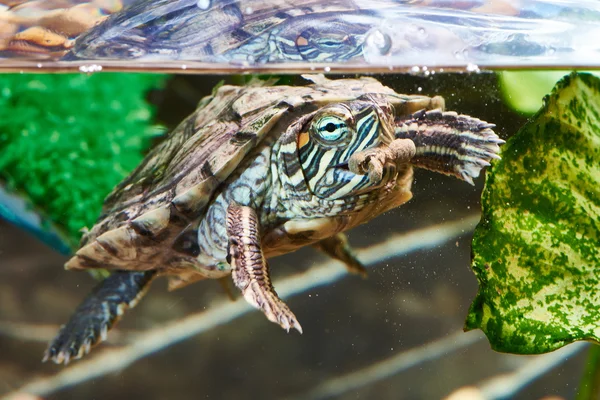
(18, 211)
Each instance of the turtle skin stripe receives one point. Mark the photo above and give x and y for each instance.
(96, 315)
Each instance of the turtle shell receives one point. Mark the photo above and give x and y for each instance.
(172, 187)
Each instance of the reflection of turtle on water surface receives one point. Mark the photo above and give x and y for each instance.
(255, 31)
(259, 171)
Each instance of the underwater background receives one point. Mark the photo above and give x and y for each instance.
(395, 335)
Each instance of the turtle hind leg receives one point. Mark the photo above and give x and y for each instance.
(249, 267)
(338, 247)
(97, 314)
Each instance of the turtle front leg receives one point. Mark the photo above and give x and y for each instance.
(372, 162)
(249, 267)
(338, 247)
(97, 314)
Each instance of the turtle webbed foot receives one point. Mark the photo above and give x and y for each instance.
(338, 247)
(77, 337)
(97, 314)
(250, 270)
(449, 143)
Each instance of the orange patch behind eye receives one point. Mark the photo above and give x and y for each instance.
(301, 41)
(303, 139)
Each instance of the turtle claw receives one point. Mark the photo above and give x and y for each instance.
(272, 306)
(372, 162)
(467, 178)
(76, 339)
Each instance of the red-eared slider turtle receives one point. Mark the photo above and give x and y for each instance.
(331, 32)
(242, 33)
(259, 171)
(255, 32)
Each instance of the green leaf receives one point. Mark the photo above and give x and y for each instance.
(536, 252)
(523, 91)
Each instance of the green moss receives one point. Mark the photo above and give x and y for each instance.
(67, 140)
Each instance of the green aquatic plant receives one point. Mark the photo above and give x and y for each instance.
(535, 251)
(67, 140)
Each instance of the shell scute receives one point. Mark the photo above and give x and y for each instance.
(153, 222)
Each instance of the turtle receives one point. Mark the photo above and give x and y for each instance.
(250, 32)
(335, 33)
(257, 171)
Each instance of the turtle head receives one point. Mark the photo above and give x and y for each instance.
(333, 135)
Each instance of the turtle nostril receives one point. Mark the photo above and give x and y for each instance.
(343, 166)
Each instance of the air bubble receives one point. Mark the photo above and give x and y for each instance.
(415, 69)
(90, 68)
(249, 10)
(422, 32)
(551, 51)
(419, 89)
(472, 67)
(327, 69)
(381, 41)
(203, 4)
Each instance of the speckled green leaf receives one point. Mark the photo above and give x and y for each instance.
(537, 249)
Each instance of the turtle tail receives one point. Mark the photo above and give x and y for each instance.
(449, 143)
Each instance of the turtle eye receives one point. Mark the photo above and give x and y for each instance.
(331, 128)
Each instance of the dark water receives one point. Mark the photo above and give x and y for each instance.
(349, 325)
